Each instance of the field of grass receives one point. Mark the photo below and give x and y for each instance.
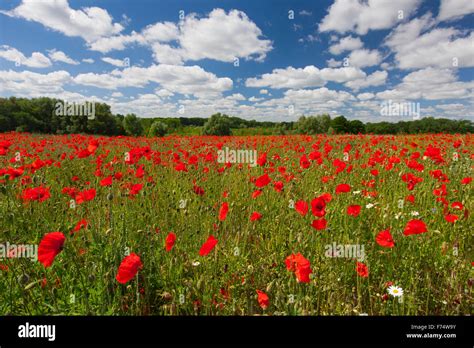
(115, 202)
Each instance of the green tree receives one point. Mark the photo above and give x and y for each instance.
(324, 122)
(356, 127)
(340, 125)
(379, 128)
(307, 125)
(157, 129)
(132, 125)
(313, 124)
(217, 125)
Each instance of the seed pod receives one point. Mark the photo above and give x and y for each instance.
(23, 279)
(29, 286)
(166, 296)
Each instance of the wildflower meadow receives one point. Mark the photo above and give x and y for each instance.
(313, 225)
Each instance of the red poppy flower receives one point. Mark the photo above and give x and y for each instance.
(86, 195)
(304, 162)
(81, 224)
(318, 206)
(278, 186)
(256, 193)
(362, 270)
(300, 266)
(319, 224)
(263, 299)
(208, 246)
(343, 188)
(326, 197)
(340, 165)
(128, 268)
(440, 191)
(83, 153)
(457, 205)
(39, 194)
(225, 294)
(93, 145)
(466, 181)
(263, 180)
(198, 190)
(50, 246)
(411, 180)
(292, 261)
(255, 216)
(223, 211)
(410, 198)
(451, 218)
(169, 242)
(14, 172)
(106, 182)
(353, 210)
(140, 172)
(303, 273)
(135, 189)
(262, 159)
(385, 239)
(181, 167)
(415, 227)
(301, 207)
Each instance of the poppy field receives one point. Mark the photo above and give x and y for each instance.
(317, 225)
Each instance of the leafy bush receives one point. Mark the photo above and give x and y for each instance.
(132, 125)
(157, 129)
(217, 125)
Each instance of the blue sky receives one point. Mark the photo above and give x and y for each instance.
(264, 60)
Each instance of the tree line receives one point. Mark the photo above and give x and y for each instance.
(43, 115)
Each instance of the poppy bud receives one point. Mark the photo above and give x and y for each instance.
(23, 279)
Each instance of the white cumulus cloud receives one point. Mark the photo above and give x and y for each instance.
(60, 56)
(90, 23)
(36, 60)
(361, 16)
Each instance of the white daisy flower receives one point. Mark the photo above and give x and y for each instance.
(395, 291)
(196, 263)
(370, 205)
(355, 192)
(414, 213)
